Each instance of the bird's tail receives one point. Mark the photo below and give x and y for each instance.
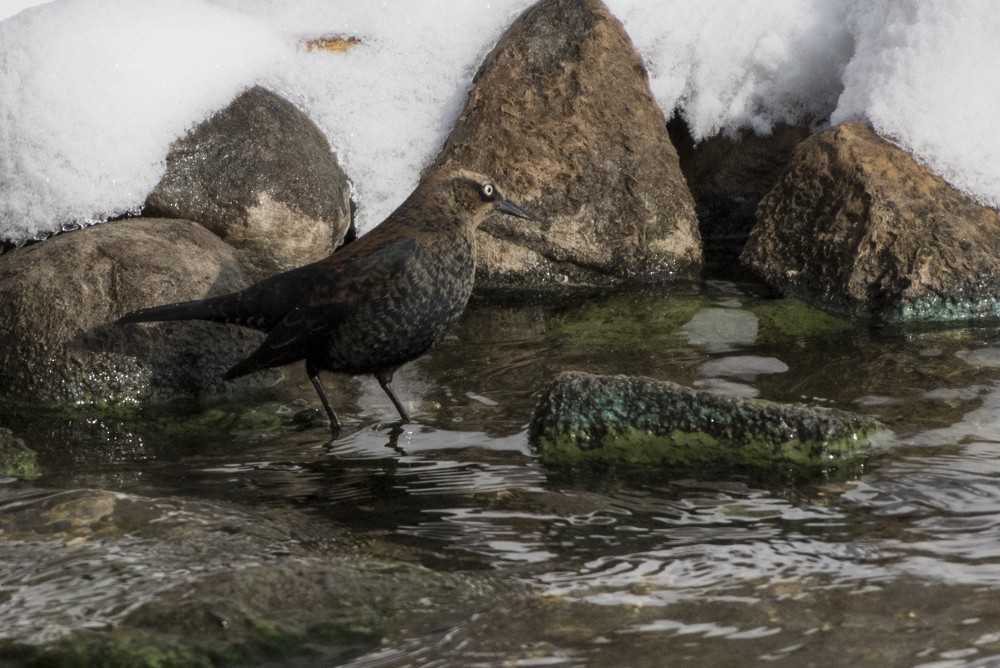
(214, 309)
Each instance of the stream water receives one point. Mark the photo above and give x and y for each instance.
(898, 565)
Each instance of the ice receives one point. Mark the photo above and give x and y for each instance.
(92, 92)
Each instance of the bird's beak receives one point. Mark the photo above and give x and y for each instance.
(506, 206)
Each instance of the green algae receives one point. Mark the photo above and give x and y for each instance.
(629, 321)
(587, 419)
(781, 319)
(17, 460)
(937, 308)
(687, 451)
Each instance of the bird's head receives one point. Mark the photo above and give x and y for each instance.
(473, 196)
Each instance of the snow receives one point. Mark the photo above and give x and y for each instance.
(92, 92)
(925, 77)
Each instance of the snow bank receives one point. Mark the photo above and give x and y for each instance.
(92, 92)
(748, 64)
(925, 76)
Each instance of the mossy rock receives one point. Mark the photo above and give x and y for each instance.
(584, 419)
(16, 459)
(781, 319)
(630, 321)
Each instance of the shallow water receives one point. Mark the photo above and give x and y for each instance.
(900, 564)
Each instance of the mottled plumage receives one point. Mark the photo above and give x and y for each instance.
(373, 305)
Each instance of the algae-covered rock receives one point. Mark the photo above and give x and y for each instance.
(333, 608)
(61, 347)
(16, 459)
(584, 418)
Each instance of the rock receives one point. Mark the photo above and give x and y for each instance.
(583, 418)
(261, 176)
(16, 459)
(61, 297)
(561, 114)
(856, 225)
(728, 176)
(173, 582)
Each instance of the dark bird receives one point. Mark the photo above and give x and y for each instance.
(373, 305)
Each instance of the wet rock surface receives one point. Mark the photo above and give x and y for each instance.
(561, 115)
(62, 296)
(170, 582)
(858, 226)
(16, 459)
(261, 176)
(585, 418)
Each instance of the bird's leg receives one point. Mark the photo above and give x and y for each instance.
(313, 374)
(384, 379)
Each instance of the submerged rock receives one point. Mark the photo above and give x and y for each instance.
(17, 460)
(856, 225)
(584, 419)
(98, 578)
(61, 297)
(261, 176)
(561, 114)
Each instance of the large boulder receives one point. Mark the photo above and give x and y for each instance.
(561, 115)
(60, 299)
(261, 176)
(856, 225)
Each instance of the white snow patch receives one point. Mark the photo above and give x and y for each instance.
(92, 92)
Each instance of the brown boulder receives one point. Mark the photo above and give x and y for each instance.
(61, 296)
(561, 115)
(857, 225)
(261, 176)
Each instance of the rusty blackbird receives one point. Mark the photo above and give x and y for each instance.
(374, 304)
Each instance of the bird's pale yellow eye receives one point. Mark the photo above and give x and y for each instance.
(487, 190)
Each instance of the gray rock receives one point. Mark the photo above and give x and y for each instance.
(61, 297)
(586, 419)
(856, 225)
(261, 176)
(561, 114)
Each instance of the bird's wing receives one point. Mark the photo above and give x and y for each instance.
(338, 289)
